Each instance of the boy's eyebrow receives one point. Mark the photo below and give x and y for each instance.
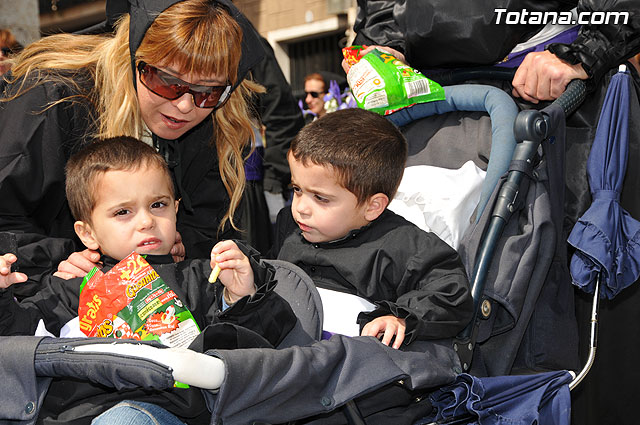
(314, 191)
(128, 202)
(161, 195)
(121, 204)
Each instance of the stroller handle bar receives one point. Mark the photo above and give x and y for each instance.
(572, 97)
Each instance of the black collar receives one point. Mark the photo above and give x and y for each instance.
(109, 262)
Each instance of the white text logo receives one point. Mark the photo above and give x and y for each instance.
(525, 17)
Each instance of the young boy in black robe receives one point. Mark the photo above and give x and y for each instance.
(346, 168)
(121, 194)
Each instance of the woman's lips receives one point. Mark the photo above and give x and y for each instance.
(173, 123)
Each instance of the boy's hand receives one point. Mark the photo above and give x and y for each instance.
(387, 327)
(78, 264)
(7, 278)
(236, 273)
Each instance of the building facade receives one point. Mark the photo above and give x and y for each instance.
(306, 35)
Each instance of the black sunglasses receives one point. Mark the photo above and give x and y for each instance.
(171, 88)
(313, 94)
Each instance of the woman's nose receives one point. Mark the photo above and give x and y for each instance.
(185, 103)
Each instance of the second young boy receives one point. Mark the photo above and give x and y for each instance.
(346, 167)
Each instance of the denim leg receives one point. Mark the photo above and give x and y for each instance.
(136, 413)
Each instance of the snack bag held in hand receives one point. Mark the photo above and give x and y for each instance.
(383, 84)
(131, 301)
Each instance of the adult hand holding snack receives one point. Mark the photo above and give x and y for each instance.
(7, 277)
(235, 271)
(346, 66)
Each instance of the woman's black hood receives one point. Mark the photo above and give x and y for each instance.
(144, 12)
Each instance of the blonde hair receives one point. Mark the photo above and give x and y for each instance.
(199, 36)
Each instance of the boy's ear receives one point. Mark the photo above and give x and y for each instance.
(177, 201)
(375, 206)
(85, 233)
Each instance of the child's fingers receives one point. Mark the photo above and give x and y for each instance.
(389, 332)
(223, 246)
(232, 264)
(220, 253)
(5, 263)
(399, 337)
(11, 278)
(17, 277)
(228, 255)
(64, 275)
(372, 328)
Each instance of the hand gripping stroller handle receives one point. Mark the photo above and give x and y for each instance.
(127, 364)
(572, 97)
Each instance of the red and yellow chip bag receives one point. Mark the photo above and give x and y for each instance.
(131, 301)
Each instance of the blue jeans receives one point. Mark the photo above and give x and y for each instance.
(136, 413)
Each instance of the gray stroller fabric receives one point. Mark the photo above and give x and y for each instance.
(528, 284)
(449, 140)
(277, 386)
(29, 364)
(300, 292)
(23, 391)
(57, 358)
(531, 323)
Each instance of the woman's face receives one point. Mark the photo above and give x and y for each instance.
(170, 119)
(316, 104)
(4, 66)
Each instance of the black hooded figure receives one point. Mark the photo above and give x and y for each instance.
(65, 105)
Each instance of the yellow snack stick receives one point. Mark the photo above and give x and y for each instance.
(214, 274)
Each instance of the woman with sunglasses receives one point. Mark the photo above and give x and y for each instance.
(173, 73)
(315, 87)
(8, 46)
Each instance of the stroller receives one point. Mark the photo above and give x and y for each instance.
(302, 379)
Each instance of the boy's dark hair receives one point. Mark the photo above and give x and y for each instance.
(367, 152)
(111, 154)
